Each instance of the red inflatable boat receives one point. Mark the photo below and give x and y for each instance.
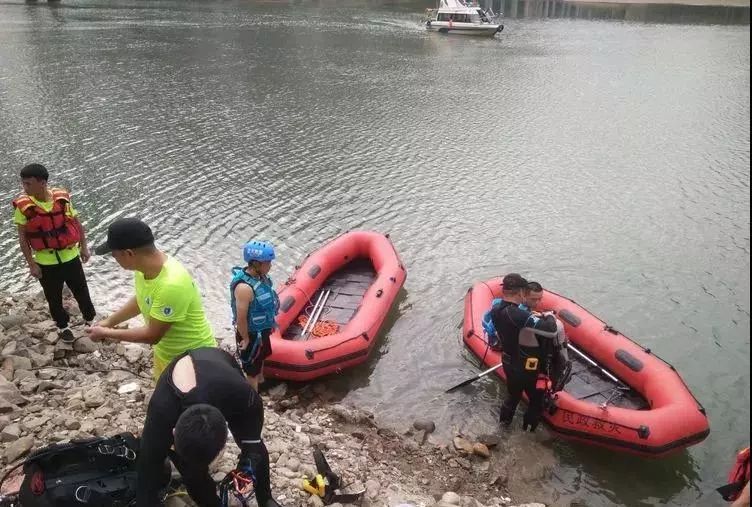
(620, 395)
(333, 306)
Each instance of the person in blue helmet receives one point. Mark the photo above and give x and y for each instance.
(254, 307)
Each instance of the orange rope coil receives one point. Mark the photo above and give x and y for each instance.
(321, 328)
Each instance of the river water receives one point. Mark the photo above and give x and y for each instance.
(608, 160)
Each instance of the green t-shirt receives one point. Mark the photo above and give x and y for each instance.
(48, 257)
(174, 297)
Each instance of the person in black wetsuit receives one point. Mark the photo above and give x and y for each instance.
(200, 394)
(557, 349)
(521, 363)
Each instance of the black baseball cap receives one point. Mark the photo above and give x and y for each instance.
(126, 234)
(514, 281)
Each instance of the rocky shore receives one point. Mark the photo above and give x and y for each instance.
(53, 392)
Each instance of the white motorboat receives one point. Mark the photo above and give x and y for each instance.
(457, 17)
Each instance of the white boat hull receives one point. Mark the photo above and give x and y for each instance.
(483, 30)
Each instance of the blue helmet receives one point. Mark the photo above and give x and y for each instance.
(258, 251)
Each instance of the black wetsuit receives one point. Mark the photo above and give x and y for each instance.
(509, 319)
(220, 383)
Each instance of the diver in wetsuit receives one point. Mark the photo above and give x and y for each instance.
(199, 395)
(522, 362)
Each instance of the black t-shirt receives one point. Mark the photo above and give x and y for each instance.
(221, 384)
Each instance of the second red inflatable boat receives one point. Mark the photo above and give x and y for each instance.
(620, 395)
(333, 306)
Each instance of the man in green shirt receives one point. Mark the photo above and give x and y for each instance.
(166, 296)
(53, 244)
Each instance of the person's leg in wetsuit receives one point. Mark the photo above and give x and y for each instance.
(515, 387)
(534, 403)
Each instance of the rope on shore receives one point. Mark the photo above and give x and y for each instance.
(90, 370)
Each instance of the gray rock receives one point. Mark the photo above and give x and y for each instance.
(9, 349)
(289, 402)
(103, 412)
(40, 329)
(4, 421)
(293, 464)
(315, 430)
(468, 501)
(7, 369)
(87, 426)
(464, 463)
(277, 446)
(451, 498)
(46, 385)
(118, 377)
(286, 472)
(315, 501)
(304, 439)
(20, 363)
(84, 345)
(412, 445)
(18, 449)
(531, 505)
(489, 441)
(52, 337)
(75, 404)
(133, 353)
(94, 397)
(344, 413)
(7, 408)
(28, 386)
(40, 360)
(278, 392)
(100, 427)
(130, 387)
(12, 320)
(63, 347)
(48, 374)
(372, 489)
(32, 425)
(425, 425)
(10, 394)
(10, 433)
(307, 470)
(282, 461)
(21, 375)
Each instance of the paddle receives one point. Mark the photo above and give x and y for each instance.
(569, 345)
(471, 380)
(593, 363)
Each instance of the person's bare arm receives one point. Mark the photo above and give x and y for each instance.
(82, 243)
(150, 334)
(23, 242)
(243, 300)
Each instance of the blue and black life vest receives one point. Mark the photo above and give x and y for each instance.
(488, 325)
(265, 305)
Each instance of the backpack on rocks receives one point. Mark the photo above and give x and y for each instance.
(96, 472)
